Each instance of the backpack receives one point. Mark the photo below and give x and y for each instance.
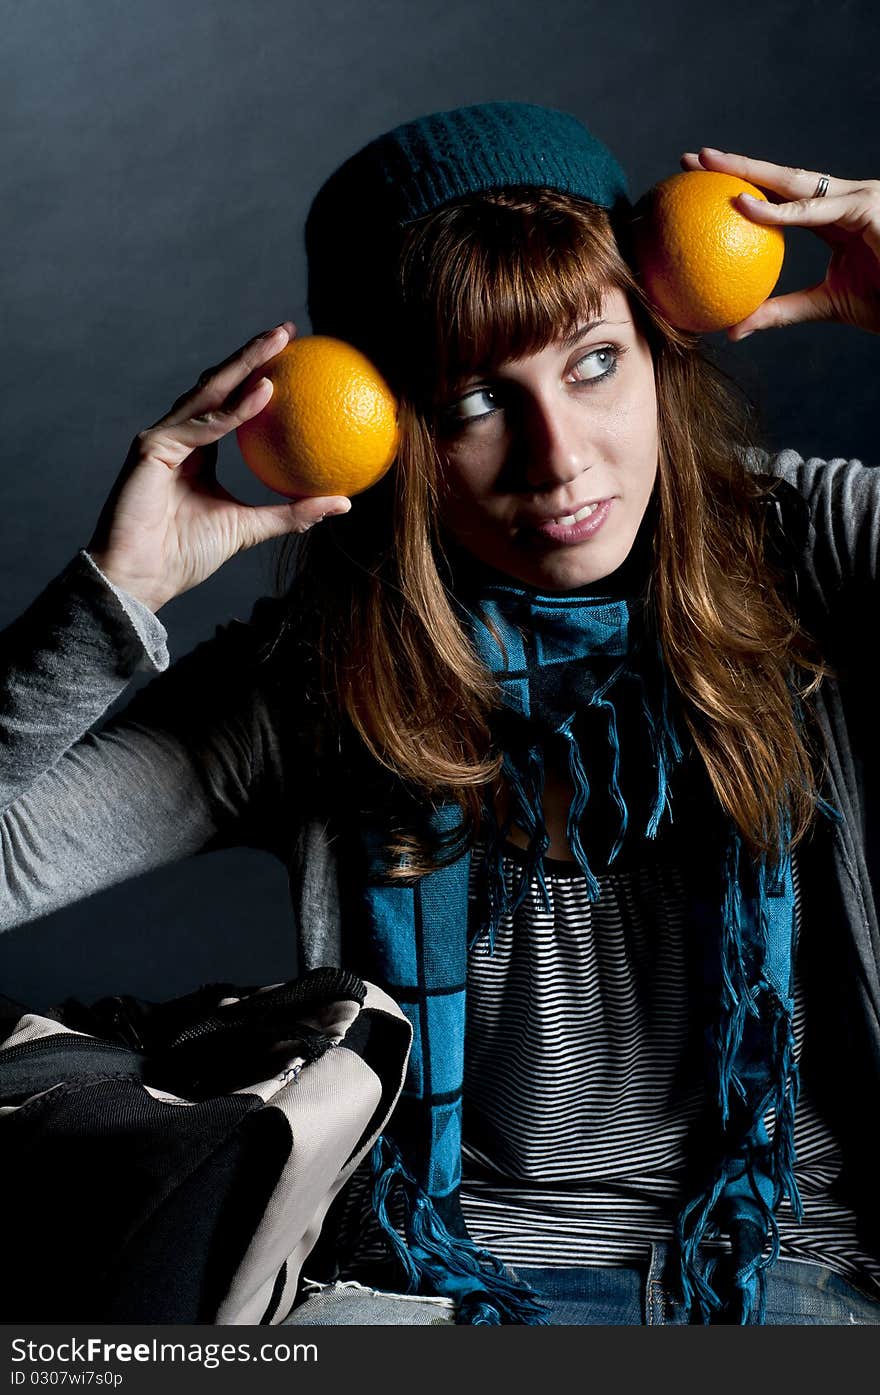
(173, 1162)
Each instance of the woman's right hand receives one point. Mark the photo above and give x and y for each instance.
(167, 523)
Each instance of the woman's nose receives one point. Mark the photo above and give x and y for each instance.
(554, 449)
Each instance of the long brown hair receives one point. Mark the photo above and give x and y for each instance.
(501, 275)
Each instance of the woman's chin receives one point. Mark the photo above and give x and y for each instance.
(549, 566)
(567, 568)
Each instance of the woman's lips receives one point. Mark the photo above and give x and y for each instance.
(572, 528)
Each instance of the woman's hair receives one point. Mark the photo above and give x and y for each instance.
(500, 275)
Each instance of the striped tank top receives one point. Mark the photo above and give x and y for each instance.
(581, 1084)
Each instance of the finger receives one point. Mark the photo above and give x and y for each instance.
(844, 211)
(264, 521)
(784, 180)
(171, 442)
(216, 384)
(797, 307)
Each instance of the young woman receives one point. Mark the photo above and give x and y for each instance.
(560, 732)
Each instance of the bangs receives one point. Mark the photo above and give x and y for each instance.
(500, 276)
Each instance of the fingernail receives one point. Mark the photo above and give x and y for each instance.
(710, 150)
(340, 508)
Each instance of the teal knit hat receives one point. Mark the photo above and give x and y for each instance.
(355, 223)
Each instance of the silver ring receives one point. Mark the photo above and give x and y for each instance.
(822, 186)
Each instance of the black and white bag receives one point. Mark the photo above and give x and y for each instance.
(174, 1162)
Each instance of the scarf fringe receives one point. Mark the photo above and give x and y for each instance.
(748, 1304)
(385, 1175)
(528, 793)
(742, 999)
(784, 1106)
(577, 807)
(828, 810)
(493, 883)
(614, 742)
(430, 1255)
(525, 784)
(737, 1001)
(665, 745)
(741, 1299)
(478, 1314)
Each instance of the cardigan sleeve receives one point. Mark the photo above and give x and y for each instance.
(829, 512)
(843, 499)
(190, 764)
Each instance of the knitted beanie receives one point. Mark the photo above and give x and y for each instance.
(354, 227)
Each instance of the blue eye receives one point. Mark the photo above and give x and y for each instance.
(603, 362)
(481, 403)
(474, 406)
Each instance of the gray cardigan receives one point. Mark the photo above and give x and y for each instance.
(201, 758)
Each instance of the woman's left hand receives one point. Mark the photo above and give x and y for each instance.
(847, 217)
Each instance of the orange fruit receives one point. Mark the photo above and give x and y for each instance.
(702, 262)
(330, 426)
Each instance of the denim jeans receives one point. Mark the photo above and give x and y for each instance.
(799, 1293)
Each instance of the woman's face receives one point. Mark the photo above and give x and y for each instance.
(550, 460)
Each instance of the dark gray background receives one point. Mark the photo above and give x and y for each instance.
(157, 166)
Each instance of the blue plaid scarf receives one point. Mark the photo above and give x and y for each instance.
(583, 675)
